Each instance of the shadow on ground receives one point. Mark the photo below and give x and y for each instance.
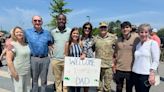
(162, 79)
(50, 88)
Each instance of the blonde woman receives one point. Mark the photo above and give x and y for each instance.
(18, 60)
(146, 60)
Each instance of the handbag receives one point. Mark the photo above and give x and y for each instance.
(157, 76)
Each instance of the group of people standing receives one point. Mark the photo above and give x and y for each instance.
(132, 56)
(136, 58)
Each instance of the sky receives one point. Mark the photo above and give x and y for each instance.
(19, 12)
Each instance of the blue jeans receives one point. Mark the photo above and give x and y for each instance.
(39, 67)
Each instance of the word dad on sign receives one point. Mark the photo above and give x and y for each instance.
(81, 72)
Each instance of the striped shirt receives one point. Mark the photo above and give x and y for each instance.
(75, 50)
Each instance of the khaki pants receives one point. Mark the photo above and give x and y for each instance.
(58, 70)
(105, 80)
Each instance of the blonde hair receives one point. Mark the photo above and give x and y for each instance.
(142, 26)
(13, 37)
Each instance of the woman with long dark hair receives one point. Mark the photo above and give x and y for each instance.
(88, 43)
(73, 48)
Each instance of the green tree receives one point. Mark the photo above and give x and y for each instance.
(160, 32)
(57, 7)
(4, 31)
(114, 27)
(95, 31)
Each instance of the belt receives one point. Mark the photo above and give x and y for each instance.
(39, 56)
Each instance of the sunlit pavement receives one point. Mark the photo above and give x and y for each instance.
(7, 86)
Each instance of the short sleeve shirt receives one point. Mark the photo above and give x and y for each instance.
(38, 41)
(21, 58)
(60, 38)
(88, 47)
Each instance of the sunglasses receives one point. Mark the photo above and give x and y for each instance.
(103, 28)
(87, 28)
(37, 20)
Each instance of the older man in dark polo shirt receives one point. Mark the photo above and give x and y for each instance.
(123, 57)
(39, 40)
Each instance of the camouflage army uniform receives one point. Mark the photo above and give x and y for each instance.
(104, 51)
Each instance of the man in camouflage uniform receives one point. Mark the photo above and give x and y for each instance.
(104, 51)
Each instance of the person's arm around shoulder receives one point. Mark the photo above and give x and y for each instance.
(83, 54)
(66, 48)
(10, 58)
(50, 39)
(114, 59)
(3, 53)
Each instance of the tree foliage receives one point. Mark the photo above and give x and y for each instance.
(95, 31)
(114, 27)
(4, 31)
(57, 7)
(160, 32)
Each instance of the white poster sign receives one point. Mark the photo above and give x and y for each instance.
(81, 72)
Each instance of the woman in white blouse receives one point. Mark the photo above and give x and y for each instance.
(146, 60)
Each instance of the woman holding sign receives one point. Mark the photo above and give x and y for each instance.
(73, 48)
(88, 43)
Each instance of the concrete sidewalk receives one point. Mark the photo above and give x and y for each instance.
(7, 86)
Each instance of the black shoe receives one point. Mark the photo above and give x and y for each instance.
(1, 65)
(54, 87)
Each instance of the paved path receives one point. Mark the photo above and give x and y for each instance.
(6, 83)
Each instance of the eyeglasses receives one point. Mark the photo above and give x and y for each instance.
(103, 27)
(37, 20)
(87, 28)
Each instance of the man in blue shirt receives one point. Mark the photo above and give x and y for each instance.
(39, 40)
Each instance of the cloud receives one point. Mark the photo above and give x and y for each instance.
(130, 16)
(79, 12)
(2, 20)
(20, 13)
(18, 16)
(152, 17)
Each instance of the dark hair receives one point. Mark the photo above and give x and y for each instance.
(126, 23)
(61, 15)
(90, 33)
(70, 37)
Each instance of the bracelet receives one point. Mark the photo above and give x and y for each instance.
(151, 74)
